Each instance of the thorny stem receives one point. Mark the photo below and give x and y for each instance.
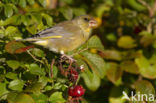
(34, 57)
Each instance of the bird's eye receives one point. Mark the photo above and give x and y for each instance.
(86, 19)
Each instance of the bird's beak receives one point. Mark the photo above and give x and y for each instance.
(93, 23)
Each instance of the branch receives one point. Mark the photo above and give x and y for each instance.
(34, 57)
(148, 7)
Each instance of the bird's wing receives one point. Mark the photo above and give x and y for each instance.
(61, 30)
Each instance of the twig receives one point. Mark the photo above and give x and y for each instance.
(34, 57)
(150, 9)
(51, 69)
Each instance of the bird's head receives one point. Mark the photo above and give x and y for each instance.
(85, 22)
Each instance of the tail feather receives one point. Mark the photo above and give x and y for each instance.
(28, 39)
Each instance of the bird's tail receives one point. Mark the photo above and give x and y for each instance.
(28, 39)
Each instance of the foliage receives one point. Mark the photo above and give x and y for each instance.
(120, 55)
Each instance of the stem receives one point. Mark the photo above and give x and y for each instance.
(34, 57)
(51, 69)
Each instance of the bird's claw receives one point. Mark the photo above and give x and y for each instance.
(68, 57)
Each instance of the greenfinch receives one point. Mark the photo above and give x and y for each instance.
(65, 36)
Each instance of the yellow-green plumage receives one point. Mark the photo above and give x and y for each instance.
(65, 36)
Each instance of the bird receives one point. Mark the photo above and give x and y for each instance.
(65, 36)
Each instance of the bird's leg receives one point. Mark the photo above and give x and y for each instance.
(67, 57)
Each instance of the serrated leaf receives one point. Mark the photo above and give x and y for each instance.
(8, 10)
(16, 85)
(95, 62)
(13, 64)
(57, 97)
(35, 69)
(95, 42)
(91, 80)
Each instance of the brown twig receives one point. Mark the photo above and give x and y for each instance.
(51, 68)
(150, 9)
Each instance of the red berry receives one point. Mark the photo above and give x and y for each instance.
(76, 91)
(138, 29)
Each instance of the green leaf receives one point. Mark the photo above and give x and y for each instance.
(11, 97)
(22, 3)
(111, 55)
(8, 10)
(35, 69)
(25, 19)
(11, 75)
(91, 80)
(126, 42)
(40, 98)
(16, 85)
(130, 67)
(34, 88)
(147, 40)
(56, 97)
(48, 19)
(147, 67)
(10, 30)
(1, 33)
(145, 87)
(43, 3)
(137, 6)
(13, 64)
(31, 2)
(38, 52)
(79, 11)
(55, 71)
(95, 42)
(116, 95)
(67, 13)
(14, 8)
(23, 98)
(114, 72)
(95, 62)
(3, 89)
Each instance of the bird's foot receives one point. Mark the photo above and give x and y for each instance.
(65, 57)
